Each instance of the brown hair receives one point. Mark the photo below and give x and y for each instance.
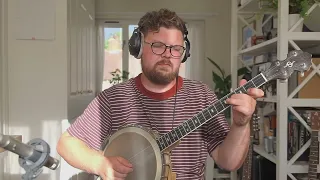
(153, 20)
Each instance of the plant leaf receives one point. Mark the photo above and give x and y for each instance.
(242, 71)
(216, 77)
(217, 66)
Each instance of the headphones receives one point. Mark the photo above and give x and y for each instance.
(136, 42)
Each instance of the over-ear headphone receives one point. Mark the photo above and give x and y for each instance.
(136, 42)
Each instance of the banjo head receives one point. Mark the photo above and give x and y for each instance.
(139, 147)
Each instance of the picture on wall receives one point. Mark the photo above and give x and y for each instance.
(247, 33)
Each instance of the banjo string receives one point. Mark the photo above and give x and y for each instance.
(139, 152)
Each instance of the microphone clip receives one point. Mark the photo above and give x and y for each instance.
(34, 163)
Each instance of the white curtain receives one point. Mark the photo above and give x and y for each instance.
(100, 58)
(195, 64)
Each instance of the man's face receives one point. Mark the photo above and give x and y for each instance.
(162, 68)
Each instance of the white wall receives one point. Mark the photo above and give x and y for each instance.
(217, 30)
(37, 86)
(2, 81)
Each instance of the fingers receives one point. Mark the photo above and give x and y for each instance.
(242, 82)
(117, 168)
(240, 100)
(121, 168)
(255, 93)
(245, 110)
(112, 174)
(124, 162)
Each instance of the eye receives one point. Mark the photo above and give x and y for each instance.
(158, 45)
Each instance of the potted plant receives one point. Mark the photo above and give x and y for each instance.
(223, 81)
(118, 76)
(297, 9)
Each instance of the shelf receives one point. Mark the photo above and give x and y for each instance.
(304, 102)
(271, 45)
(305, 36)
(260, 150)
(256, 50)
(252, 6)
(300, 167)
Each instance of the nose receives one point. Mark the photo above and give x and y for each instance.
(167, 52)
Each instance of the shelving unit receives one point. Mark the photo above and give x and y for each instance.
(285, 41)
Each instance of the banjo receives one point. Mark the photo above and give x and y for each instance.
(149, 152)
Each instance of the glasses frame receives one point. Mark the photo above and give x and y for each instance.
(167, 46)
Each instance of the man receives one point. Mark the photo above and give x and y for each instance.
(160, 99)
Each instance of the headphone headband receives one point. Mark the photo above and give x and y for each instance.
(136, 42)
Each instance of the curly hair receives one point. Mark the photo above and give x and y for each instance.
(153, 20)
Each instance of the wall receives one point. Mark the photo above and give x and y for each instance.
(37, 86)
(81, 53)
(217, 32)
(3, 76)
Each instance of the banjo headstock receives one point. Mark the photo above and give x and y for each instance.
(296, 60)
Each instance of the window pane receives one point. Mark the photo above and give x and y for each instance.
(112, 54)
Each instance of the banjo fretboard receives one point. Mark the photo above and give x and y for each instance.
(205, 115)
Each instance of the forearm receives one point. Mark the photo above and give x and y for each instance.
(233, 150)
(78, 155)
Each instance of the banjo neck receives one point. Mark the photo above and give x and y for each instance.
(205, 115)
(314, 146)
(296, 60)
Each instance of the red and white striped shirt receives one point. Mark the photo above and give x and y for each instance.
(130, 102)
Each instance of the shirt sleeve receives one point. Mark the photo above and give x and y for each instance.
(216, 128)
(93, 125)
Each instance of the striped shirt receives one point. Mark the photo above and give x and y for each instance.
(131, 103)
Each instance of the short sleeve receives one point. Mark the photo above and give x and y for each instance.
(217, 128)
(93, 125)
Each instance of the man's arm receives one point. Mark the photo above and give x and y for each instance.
(76, 153)
(80, 144)
(231, 154)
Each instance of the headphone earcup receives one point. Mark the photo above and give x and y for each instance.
(187, 53)
(135, 43)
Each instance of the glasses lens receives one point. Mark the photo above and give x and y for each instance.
(177, 51)
(158, 48)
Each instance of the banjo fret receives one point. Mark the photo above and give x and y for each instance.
(205, 115)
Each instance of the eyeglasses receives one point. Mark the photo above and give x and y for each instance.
(159, 48)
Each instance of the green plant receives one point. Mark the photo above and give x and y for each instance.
(118, 76)
(295, 6)
(223, 81)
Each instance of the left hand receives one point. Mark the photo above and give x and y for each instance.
(243, 105)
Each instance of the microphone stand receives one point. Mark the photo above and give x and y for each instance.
(32, 156)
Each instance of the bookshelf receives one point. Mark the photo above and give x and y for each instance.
(284, 99)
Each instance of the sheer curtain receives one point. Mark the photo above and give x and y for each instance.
(195, 64)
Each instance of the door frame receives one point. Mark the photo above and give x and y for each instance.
(4, 103)
(4, 66)
(105, 23)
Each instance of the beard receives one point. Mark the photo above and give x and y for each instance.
(160, 75)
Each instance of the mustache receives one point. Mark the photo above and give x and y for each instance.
(168, 62)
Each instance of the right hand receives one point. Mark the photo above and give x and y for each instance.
(115, 168)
